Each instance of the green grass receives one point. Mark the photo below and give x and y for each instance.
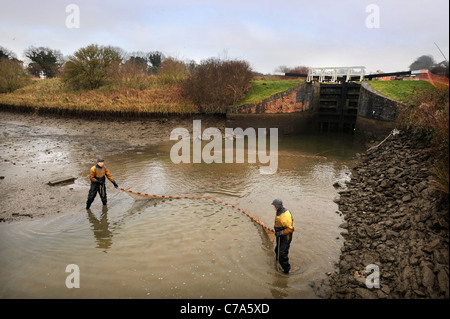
(400, 90)
(262, 89)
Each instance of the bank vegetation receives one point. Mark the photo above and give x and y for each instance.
(107, 79)
(424, 112)
(426, 115)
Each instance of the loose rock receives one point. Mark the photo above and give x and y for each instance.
(395, 219)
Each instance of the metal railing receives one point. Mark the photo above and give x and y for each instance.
(333, 73)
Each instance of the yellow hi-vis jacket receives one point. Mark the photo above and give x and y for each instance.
(284, 222)
(99, 173)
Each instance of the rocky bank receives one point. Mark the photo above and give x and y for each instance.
(395, 219)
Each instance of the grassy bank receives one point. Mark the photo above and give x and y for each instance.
(51, 93)
(149, 97)
(400, 90)
(265, 87)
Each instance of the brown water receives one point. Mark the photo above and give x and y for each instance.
(185, 248)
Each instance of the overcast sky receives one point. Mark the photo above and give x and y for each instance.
(265, 33)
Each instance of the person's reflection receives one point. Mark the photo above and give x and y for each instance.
(279, 285)
(100, 227)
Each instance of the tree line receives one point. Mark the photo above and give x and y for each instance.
(428, 62)
(45, 62)
(212, 84)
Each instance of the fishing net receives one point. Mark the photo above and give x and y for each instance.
(143, 196)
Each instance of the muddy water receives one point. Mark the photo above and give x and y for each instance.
(184, 248)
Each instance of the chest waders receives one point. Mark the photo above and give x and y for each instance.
(282, 252)
(99, 188)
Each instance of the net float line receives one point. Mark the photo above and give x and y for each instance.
(300, 155)
(293, 155)
(141, 196)
(304, 156)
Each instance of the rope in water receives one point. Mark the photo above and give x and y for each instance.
(305, 156)
(269, 231)
(253, 218)
(301, 155)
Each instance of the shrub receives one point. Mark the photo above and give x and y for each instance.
(299, 70)
(426, 114)
(12, 75)
(172, 71)
(91, 67)
(216, 84)
(133, 74)
(134, 67)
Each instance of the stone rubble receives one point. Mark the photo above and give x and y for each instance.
(395, 219)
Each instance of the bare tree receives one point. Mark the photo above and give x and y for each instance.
(216, 84)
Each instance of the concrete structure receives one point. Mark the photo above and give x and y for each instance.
(377, 114)
(327, 107)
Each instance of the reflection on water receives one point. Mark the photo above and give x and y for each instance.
(185, 248)
(103, 235)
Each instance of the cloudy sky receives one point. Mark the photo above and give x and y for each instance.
(379, 34)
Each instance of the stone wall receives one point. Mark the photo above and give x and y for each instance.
(374, 105)
(377, 114)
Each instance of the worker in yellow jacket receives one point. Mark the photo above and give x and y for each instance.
(284, 228)
(97, 177)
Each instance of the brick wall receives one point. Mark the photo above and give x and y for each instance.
(297, 99)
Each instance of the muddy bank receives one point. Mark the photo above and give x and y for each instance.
(37, 149)
(94, 114)
(396, 220)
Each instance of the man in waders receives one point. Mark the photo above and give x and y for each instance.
(284, 228)
(97, 176)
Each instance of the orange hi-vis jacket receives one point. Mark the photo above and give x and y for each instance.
(284, 222)
(99, 173)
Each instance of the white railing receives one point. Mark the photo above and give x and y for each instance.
(335, 72)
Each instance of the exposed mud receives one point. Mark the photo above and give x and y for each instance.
(37, 149)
